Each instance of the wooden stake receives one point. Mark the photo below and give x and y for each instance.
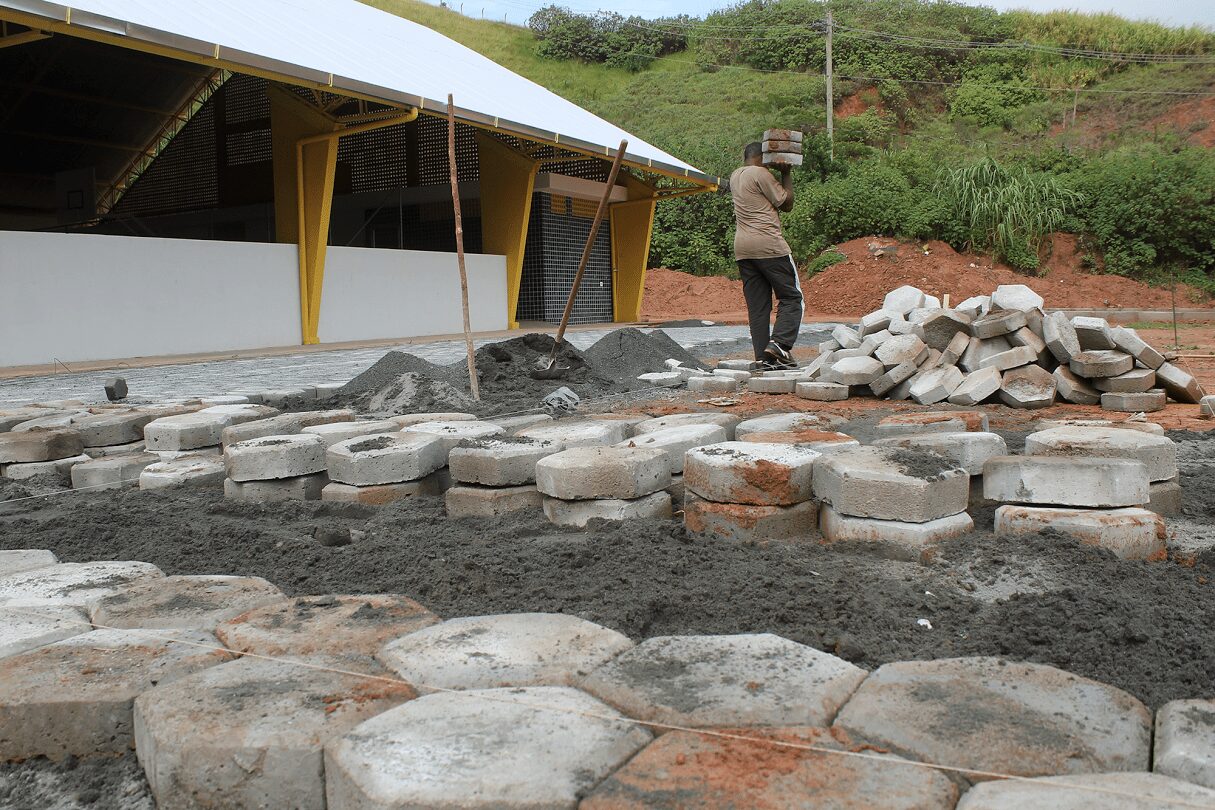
(473, 382)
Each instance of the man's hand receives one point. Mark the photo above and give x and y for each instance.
(786, 181)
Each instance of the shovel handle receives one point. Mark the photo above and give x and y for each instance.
(590, 241)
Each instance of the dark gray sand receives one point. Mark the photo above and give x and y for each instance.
(624, 354)
(96, 783)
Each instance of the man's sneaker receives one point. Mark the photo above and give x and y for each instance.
(778, 357)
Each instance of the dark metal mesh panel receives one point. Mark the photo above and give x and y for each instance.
(422, 226)
(556, 237)
(183, 178)
(245, 99)
(378, 159)
(248, 147)
(433, 169)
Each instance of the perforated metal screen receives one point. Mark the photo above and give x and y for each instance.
(556, 237)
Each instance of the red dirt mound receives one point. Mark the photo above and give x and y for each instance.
(858, 284)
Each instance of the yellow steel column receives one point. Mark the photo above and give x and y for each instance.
(632, 226)
(508, 178)
(304, 145)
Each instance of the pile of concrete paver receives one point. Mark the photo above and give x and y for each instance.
(233, 694)
(1003, 347)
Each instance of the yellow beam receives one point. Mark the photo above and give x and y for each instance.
(632, 224)
(508, 179)
(20, 39)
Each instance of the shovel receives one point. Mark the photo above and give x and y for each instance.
(547, 368)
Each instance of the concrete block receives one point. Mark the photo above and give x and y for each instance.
(684, 769)
(748, 522)
(11, 417)
(751, 473)
(186, 471)
(469, 500)
(975, 306)
(39, 445)
(1206, 409)
(1166, 498)
(932, 361)
(676, 441)
(1066, 481)
(736, 365)
(713, 385)
(969, 450)
(856, 371)
(821, 391)
(1178, 384)
(772, 385)
(1128, 340)
(251, 733)
(228, 399)
(915, 423)
(905, 327)
(977, 386)
(53, 421)
(187, 431)
(731, 681)
(73, 697)
(730, 374)
(432, 485)
(1030, 339)
(1075, 389)
(979, 350)
(895, 539)
(570, 433)
(409, 419)
(936, 384)
(132, 449)
(513, 424)
(1093, 364)
(780, 422)
(903, 299)
(499, 461)
(997, 323)
(1093, 333)
(846, 337)
(516, 649)
(1060, 336)
(891, 483)
(878, 320)
(390, 458)
(72, 584)
(662, 379)
(335, 432)
(58, 471)
(1036, 719)
(353, 625)
(115, 389)
(953, 351)
(1143, 791)
(452, 433)
(25, 629)
(108, 429)
(901, 349)
(1147, 402)
(298, 488)
(289, 397)
(577, 514)
(891, 379)
(618, 472)
(284, 425)
(183, 602)
(823, 441)
(1185, 742)
(1016, 296)
(448, 751)
(727, 421)
(1131, 533)
(1028, 387)
(1123, 424)
(1012, 358)
(1158, 453)
(272, 457)
(15, 561)
(943, 325)
(111, 473)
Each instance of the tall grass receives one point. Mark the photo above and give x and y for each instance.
(1006, 210)
(1109, 32)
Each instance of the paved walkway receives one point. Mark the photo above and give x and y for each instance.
(314, 368)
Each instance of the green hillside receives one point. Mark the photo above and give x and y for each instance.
(933, 97)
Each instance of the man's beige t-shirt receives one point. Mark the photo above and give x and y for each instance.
(757, 196)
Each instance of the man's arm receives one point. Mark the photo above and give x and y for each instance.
(786, 182)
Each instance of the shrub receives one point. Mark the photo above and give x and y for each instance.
(631, 43)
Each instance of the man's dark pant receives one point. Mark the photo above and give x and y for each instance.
(763, 278)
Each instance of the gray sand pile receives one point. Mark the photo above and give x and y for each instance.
(626, 353)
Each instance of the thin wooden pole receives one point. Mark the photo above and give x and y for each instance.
(830, 91)
(474, 383)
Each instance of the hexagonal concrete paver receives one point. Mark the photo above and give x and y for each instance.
(183, 602)
(72, 584)
(74, 697)
(516, 649)
(318, 625)
(23, 629)
(15, 561)
(537, 747)
(686, 770)
(991, 715)
(1185, 741)
(892, 483)
(1105, 791)
(251, 733)
(740, 680)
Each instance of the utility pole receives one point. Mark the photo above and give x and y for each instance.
(830, 95)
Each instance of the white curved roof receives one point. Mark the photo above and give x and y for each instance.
(357, 48)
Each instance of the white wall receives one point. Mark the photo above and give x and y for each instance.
(79, 297)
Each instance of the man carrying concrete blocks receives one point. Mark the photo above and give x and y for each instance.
(765, 263)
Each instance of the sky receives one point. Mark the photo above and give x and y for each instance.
(1172, 12)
